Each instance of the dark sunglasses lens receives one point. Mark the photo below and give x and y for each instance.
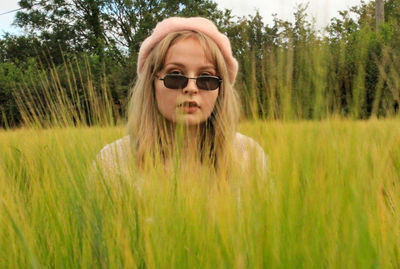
(175, 81)
(208, 83)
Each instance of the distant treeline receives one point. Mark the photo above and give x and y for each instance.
(78, 57)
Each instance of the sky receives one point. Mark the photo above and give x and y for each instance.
(321, 10)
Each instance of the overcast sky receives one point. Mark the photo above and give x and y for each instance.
(321, 10)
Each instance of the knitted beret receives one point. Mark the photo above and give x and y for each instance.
(175, 24)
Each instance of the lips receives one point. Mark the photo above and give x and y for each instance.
(189, 107)
(189, 104)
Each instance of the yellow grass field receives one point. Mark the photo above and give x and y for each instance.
(331, 200)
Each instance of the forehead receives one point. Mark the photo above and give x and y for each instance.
(189, 50)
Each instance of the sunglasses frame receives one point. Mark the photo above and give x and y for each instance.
(187, 81)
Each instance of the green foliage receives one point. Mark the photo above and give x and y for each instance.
(287, 71)
(11, 76)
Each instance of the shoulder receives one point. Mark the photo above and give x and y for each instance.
(117, 148)
(250, 151)
(245, 143)
(114, 154)
(114, 163)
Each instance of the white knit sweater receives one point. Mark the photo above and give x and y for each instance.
(115, 155)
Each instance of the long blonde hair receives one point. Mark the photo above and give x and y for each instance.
(150, 133)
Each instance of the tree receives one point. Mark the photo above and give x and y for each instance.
(380, 12)
(69, 26)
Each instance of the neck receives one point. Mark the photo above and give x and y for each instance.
(188, 136)
(186, 139)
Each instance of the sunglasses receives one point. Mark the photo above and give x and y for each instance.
(178, 81)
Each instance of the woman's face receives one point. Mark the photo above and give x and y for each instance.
(189, 105)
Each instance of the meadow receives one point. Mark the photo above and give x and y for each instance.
(324, 106)
(331, 199)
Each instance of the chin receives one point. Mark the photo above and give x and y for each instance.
(189, 120)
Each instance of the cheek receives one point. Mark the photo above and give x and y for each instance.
(166, 100)
(211, 101)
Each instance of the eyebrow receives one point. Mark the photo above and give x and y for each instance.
(183, 66)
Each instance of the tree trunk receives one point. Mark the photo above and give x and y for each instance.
(380, 12)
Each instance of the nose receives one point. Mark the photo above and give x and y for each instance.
(191, 87)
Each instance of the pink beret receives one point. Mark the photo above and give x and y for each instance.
(175, 24)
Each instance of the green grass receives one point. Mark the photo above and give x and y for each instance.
(334, 203)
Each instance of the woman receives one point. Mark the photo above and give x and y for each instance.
(183, 107)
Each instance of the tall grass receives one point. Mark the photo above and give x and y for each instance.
(291, 77)
(306, 76)
(330, 199)
(334, 203)
(67, 95)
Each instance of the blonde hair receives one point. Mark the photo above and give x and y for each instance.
(150, 133)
